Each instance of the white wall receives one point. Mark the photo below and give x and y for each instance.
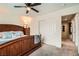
(55, 18)
(34, 30)
(51, 29)
(10, 15)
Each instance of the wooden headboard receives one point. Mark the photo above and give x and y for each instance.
(10, 27)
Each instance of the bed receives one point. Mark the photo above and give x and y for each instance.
(19, 46)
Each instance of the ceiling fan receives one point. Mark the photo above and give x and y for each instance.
(29, 6)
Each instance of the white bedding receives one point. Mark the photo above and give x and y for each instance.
(2, 41)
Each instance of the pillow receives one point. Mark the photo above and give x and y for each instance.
(17, 33)
(10, 34)
(5, 35)
(1, 35)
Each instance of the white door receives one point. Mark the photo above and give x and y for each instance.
(51, 32)
(77, 30)
(73, 29)
(45, 31)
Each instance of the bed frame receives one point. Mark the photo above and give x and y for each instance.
(20, 47)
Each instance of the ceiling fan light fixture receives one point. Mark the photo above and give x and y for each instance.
(28, 8)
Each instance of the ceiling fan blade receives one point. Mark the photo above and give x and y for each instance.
(35, 10)
(35, 4)
(27, 11)
(28, 4)
(19, 6)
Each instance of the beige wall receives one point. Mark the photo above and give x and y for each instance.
(65, 34)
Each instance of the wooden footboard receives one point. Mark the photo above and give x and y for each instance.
(17, 47)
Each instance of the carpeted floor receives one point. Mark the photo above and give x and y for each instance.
(48, 50)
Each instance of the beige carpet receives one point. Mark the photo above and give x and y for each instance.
(48, 50)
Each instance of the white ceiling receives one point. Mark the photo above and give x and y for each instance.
(51, 7)
(44, 8)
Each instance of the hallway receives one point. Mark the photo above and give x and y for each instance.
(69, 46)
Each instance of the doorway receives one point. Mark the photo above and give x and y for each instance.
(67, 31)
